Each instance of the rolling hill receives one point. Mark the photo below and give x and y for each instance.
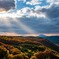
(54, 39)
(18, 47)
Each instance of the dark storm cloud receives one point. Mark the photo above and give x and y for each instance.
(44, 25)
(7, 4)
(41, 25)
(52, 12)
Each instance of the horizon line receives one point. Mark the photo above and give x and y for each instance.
(16, 34)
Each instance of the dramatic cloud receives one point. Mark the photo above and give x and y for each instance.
(40, 19)
(31, 24)
(28, 12)
(51, 12)
(53, 1)
(6, 5)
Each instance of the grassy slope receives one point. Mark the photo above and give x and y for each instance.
(54, 39)
(27, 48)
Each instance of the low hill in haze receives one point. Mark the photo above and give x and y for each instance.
(54, 39)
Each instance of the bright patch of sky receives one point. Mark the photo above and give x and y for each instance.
(31, 3)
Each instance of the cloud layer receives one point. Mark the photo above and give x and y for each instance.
(40, 19)
(7, 4)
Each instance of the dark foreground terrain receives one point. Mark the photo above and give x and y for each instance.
(27, 48)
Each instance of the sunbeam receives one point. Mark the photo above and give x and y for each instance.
(23, 26)
(5, 21)
(7, 18)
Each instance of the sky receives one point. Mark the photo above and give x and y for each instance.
(29, 16)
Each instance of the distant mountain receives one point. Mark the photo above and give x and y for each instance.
(42, 35)
(54, 39)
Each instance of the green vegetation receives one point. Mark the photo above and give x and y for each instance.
(25, 48)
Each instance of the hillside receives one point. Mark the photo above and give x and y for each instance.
(18, 47)
(54, 39)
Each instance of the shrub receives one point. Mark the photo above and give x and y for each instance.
(24, 49)
(18, 56)
(3, 52)
(10, 56)
(41, 48)
(33, 57)
(15, 51)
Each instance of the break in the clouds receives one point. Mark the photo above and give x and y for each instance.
(6, 5)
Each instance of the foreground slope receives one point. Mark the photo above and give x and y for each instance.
(27, 48)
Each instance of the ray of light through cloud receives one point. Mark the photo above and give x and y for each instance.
(23, 26)
(41, 16)
(7, 18)
(5, 21)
